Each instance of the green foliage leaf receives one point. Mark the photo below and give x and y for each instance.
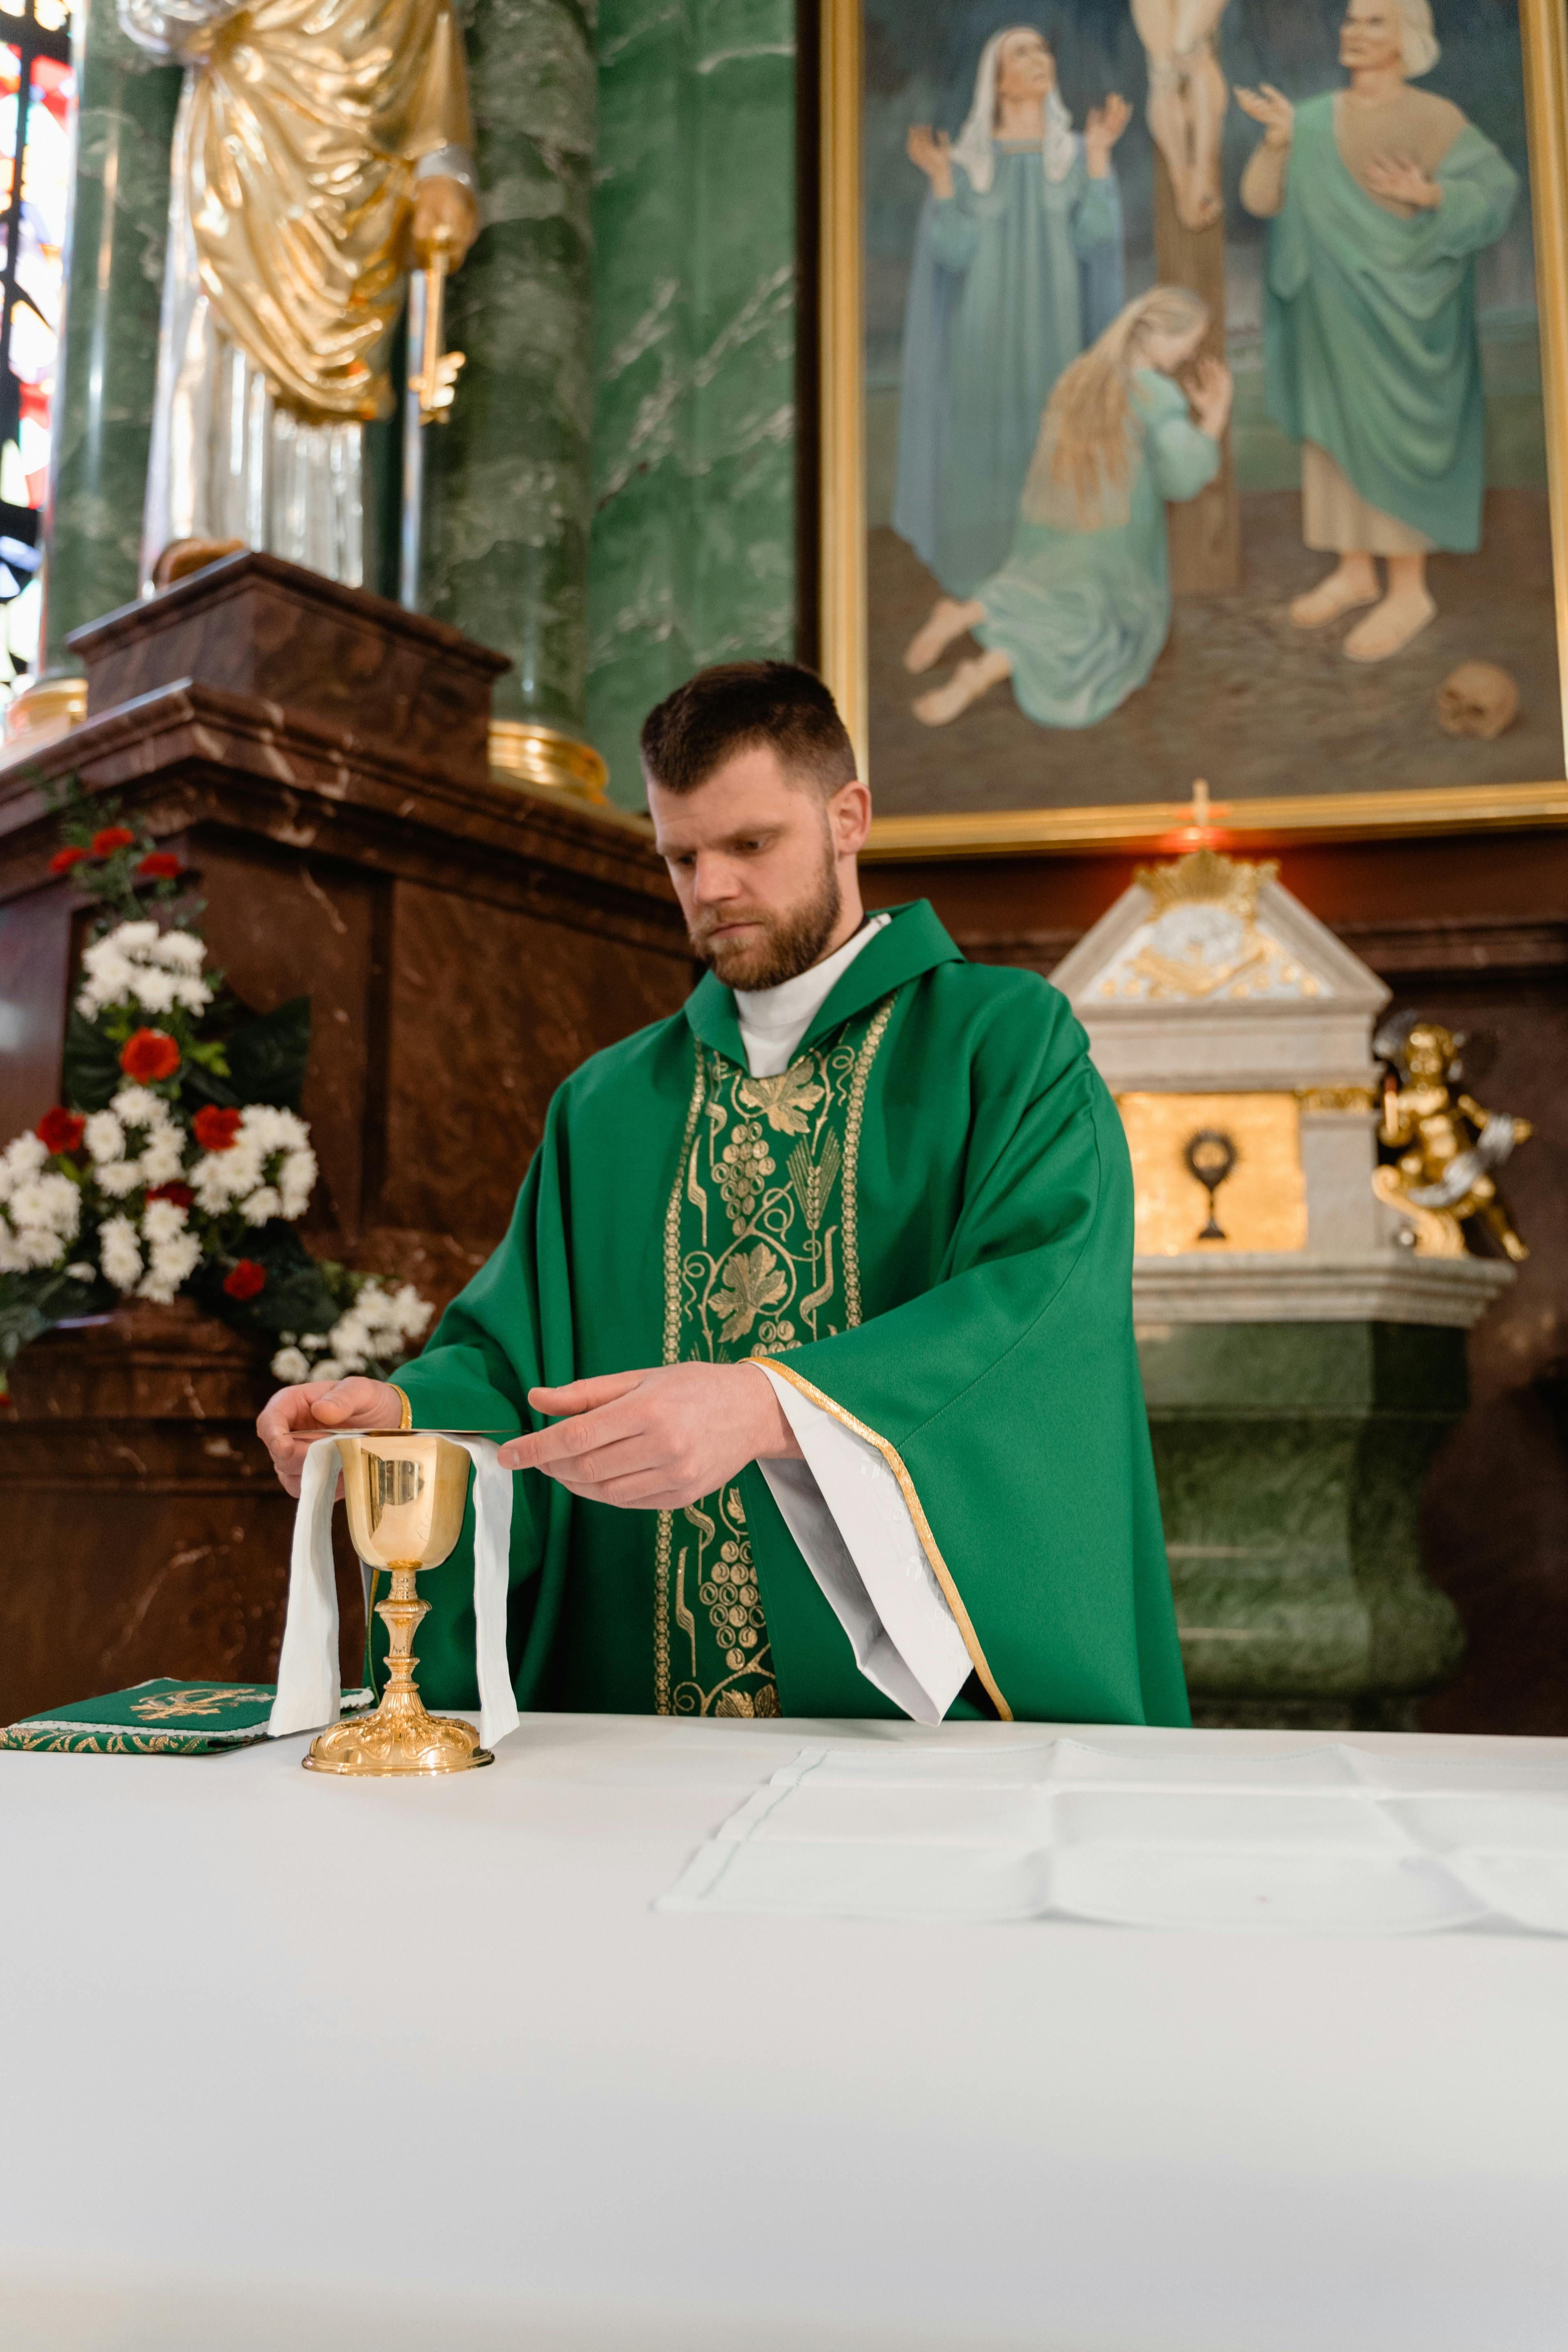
(91, 1074)
(20, 1320)
(266, 1060)
(30, 1303)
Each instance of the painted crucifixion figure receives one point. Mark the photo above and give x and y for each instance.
(1187, 99)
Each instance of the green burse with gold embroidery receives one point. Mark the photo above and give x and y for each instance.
(157, 1718)
(926, 1224)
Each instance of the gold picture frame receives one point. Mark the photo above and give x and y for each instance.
(1157, 824)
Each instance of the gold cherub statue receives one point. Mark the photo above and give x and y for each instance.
(1448, 1143)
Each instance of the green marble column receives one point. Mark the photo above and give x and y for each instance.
(109, 361)
(1291, 1458)
(694, 225)
(507, 485)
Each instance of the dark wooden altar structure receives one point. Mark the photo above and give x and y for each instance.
(319, 757)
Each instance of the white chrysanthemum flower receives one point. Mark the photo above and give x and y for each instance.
(140, 964)
(104, 1137)
(121, 1177)
(296, 1181)
(52, 1204)
(313, 1339)
(82, 1271)
(268, 1171)
(24, 1155)
(374, 1329)
(289, 1364)
(181, 950)
(169, 1264)
(162, 1220)
(119, 1254)
(139, 1107)
(274, 1130)
(109, 976)
(153, 991)
(12, 1260)
(210, 1185)
(413, 1313)
(39, 1245)
(327, 1369)
(164, 1155)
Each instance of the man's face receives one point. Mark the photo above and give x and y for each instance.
(1372, 37)
(754, 860)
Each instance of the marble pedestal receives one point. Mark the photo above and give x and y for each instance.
(1295, 1407)
(316, 756)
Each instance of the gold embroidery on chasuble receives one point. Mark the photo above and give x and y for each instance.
(761, 1255)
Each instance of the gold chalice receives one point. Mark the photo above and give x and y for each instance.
(406, 1490)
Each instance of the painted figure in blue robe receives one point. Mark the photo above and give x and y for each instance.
(1018, 266)
(1379, 198)
(1077, 614)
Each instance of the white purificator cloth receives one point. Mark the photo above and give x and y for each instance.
(310, 1693)
(1330, 1840)
(842, 1504)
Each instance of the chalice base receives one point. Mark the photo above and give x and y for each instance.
(400, 1736)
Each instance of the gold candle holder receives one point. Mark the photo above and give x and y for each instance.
(405, 1491)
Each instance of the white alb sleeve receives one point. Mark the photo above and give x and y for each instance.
(844, 1509)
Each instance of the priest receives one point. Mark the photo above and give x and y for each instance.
(812, 1332)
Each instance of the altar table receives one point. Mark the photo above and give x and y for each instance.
(293, 2064)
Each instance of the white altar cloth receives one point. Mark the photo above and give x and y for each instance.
(1323, 1839)
(291, 2064)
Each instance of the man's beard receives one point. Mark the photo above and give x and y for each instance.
(790, 942)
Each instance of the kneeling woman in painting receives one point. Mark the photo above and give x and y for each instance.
(1077, 616)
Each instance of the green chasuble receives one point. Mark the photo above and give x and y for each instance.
(1370, 339)
(925, 1223)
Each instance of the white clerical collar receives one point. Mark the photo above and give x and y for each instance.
(775, 1020)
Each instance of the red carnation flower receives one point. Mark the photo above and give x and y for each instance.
(60, 1131)
(159, 866)
(148, 1055)
(64, 859)
(246, 1279)
(216, 1130)
(112, 837)
(181, 1195)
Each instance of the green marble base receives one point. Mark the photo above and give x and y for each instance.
(1290, 1458)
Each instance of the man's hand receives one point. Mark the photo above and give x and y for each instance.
(654, 1441)
(288, 1424)
(445, 214)
(1400, 180)
(1273, 110)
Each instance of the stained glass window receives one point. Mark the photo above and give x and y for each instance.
(37, 120)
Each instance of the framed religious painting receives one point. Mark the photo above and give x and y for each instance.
(1194, 390)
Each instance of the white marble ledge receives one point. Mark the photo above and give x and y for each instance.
(1392, 1285)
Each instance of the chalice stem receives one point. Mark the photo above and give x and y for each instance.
(401, 1612)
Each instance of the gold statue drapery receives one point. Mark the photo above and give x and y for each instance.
(305, 130)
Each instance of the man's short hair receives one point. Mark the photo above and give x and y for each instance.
(736, 706)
